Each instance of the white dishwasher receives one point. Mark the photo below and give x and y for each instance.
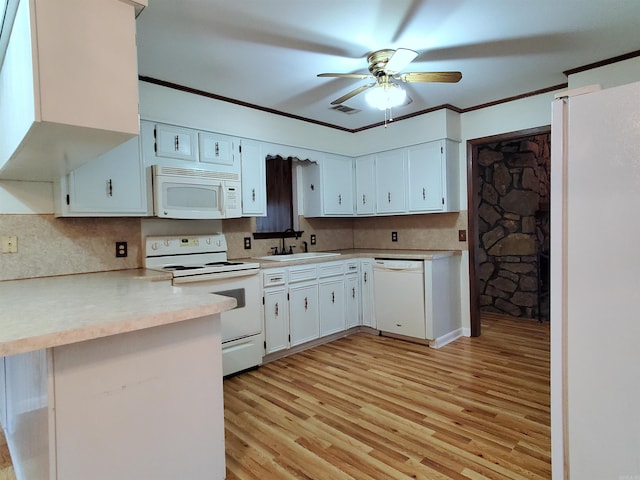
(399, 297)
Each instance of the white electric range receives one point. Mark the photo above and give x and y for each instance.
(200, 262)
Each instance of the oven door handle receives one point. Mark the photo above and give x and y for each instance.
(216, 276)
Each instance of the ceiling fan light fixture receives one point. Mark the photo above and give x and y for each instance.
(386, 96)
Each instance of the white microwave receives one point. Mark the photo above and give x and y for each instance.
(190, 193)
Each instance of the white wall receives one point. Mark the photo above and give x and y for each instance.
(25, 197)
(608, 76)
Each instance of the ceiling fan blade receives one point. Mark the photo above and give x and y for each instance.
(344, 75)
(352, 93)
(448, 77)
(399, 60)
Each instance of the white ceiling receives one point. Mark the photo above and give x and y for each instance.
(267, 53)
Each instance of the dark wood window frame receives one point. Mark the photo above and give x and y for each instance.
(279, 185)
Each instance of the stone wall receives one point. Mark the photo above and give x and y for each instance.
(514, 226)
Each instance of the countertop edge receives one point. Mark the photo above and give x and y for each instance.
(168, 305)
(357, 254)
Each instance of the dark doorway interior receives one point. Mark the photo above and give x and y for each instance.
(509, 225)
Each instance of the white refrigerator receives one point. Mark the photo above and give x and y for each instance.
(595, 285)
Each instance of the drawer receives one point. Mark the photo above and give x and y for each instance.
(352, 267)
(272, 278)
(301, 273)
(330, 269)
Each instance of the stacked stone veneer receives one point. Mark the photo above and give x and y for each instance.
(513, 225)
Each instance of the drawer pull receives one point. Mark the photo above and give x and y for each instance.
(276, 312)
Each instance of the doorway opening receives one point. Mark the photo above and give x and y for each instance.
(508, 202)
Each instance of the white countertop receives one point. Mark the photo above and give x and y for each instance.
(52, 311)
(362, 253)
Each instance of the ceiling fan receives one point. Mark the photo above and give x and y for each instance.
(385, 67)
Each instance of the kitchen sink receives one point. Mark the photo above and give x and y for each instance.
(297, 256)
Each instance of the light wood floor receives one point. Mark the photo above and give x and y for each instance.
(370, 407)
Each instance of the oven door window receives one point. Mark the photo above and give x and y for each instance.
(237, 293)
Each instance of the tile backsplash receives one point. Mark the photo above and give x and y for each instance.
(59, 246)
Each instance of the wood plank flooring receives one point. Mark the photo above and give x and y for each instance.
(370, 408)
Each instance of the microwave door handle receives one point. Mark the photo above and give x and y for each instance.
(221, 199)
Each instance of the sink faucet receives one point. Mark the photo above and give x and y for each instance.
(283, 251)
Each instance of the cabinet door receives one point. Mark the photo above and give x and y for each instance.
(176, 142)
(390, 182)
(276, 320)
(337, 185)
(365, 186)
(254, 180)
(113, 184)
(332, 306)
(218, 150)
(352, 300)
(366, 284)
(426, 177)
(303, 313)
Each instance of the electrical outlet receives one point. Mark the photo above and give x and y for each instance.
(121, 249)
(394, 236)
(313, 239)
(9, 244)
(462, 235)
(247, 243)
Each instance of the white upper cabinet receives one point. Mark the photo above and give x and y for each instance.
(113, 184)
(164, 144)
(433, 177)
(59, 107)
(365, 185)
(254, 179)
(219, 150)
(390, 181)
(328, 187)
(425, 177)
(175, 142)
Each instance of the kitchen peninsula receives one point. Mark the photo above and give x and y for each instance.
(112, 375)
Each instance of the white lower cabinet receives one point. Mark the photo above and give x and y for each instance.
(276, 310)
(332, 305)
(304, 323)
(366, 285)
(276, 319)
(352, 300)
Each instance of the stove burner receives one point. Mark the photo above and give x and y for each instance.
(180, 267)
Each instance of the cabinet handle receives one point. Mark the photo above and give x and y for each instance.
(398, 324)
(353, 292)
(389, 197)
(276, 309)
(176, 143)
(339, 199)
(333, 297)
(306, 303)
(275, 279)
(365, 277)
(364, 199)
(110, 188)
(217, 150)
(253, 194)
(424, 193)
